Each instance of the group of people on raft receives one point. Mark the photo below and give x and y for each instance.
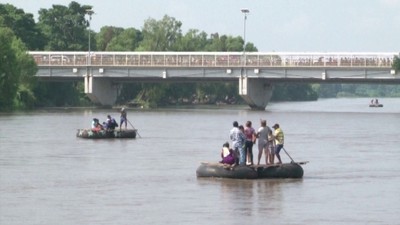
(376, 102)
(243, 138)
(110, 124)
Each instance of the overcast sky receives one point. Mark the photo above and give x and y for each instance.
(272, 25)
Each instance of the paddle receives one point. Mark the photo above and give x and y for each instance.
(288, 154)
(134, 128)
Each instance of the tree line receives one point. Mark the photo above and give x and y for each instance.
(65, 28)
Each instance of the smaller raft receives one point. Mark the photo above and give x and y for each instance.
(375, 105)
(103, 134)
(286, 170)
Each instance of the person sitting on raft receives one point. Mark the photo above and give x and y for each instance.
(227, 154)
(96, 126)
(110, 124)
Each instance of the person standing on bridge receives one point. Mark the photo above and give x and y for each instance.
(124, 119)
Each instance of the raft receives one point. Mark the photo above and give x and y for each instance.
(375, 105)
(103, 134)
(285, 170)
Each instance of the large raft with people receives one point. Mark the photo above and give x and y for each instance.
(285, 170)
(103, 134)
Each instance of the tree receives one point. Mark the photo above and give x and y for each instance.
(27, 81)
(396, 63)
(106, 34)
(17, 70)
(161, 35)
(127, 40)
(193, 40)
(65, 27)
(9, 72)
(23, 26)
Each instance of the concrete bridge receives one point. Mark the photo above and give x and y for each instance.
(256, 72)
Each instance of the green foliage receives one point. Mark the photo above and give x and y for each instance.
(128, 92)
(65, 27)
(60, 94)
(396, 63)
(127, 40)
(193, 40)
(373, 90)
(27, 81)
(329, 90)
(161, 35)
(106, 34)
(294, 92)
(9, 70)
(23, 25)
(17, 70)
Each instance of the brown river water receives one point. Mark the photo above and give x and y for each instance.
(49, 176)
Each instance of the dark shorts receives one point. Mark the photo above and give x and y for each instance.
(278, 148)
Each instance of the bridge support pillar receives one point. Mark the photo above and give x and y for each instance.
(255, 92)
(100, 91)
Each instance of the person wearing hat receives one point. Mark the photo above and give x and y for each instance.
(279, 140)
(124, 119)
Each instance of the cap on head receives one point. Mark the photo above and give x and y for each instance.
(123, 109)
(275, 126)
(235, 124)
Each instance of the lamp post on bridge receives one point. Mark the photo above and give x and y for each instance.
(90, 12)
(245, 12)
(243, 78)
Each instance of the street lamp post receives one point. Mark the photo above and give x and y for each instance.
(243, 78)
(245, 12)
(90, 12)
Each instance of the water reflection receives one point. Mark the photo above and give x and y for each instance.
(249, 197)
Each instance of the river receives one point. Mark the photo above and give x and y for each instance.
(49, 176)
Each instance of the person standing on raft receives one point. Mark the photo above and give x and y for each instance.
(250, 134)
(237, 137)
(124, 119)
(279, 139)
(262, 135)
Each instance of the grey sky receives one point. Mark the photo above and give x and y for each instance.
(272, 25)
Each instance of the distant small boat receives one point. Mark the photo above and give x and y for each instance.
(375, 105)
(103, 134)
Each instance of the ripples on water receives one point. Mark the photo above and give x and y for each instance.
(48, 176)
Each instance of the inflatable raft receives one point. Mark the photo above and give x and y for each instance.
(102, 134)
(375, 105)
(286, 170)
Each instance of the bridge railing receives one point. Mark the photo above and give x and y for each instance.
(214, 59)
